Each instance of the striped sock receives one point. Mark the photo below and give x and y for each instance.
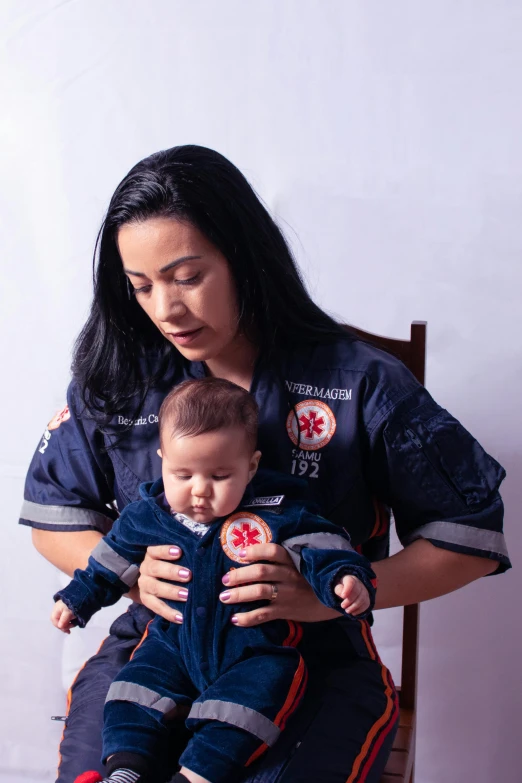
(118, 776)
(123, 776)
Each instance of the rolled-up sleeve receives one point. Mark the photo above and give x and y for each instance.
(440, 483)
(68, 484)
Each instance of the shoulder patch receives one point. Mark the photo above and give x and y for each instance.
(58, 418)
(243, 529)
(55, 422)
(269, 500)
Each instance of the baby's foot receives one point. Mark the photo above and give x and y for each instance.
(118, 776)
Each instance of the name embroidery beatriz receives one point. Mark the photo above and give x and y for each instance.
(150, 419)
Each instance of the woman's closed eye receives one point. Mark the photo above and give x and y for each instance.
(143, 290)
(188, 280)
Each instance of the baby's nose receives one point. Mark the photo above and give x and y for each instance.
(201, 489)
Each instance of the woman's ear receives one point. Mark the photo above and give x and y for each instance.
(254, 464)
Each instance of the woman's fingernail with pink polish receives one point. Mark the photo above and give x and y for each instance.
(226, 579)
(225, 596)
(242, 553)
(183, 593)
(179, 618)
(184, 573)
(234, 619)
(175, 551)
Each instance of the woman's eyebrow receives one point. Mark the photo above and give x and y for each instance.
(163, 268)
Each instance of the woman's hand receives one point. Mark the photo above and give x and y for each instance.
(295, 598)
(157, 572)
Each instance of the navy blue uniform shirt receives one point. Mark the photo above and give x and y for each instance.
(346, 416)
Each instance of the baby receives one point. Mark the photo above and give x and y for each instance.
(240, 685)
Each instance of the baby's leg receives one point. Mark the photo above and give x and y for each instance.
(243, 713)
(151, 690)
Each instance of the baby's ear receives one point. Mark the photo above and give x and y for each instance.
(254, 464)
(159, 453)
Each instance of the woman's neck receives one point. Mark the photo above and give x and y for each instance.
(236, 364)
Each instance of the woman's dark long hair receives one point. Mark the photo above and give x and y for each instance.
(199, 185)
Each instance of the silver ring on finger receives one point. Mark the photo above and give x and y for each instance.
(275, 591)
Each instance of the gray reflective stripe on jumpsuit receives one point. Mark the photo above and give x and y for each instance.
(237, 715)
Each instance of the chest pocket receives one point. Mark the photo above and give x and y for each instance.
(333, 466)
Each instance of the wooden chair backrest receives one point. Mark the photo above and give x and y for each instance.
(412, 353)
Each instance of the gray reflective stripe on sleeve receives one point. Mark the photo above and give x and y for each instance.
(139, 694)
(314, 541)
(237, 715)
(65, 515)
(108, 558)
(464, 535)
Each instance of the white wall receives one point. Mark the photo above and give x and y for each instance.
(386, 138)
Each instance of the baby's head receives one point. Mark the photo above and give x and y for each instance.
(208, 436)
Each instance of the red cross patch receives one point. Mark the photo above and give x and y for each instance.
(314, 427)
(243, 529)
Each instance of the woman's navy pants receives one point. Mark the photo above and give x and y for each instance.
(342, 732)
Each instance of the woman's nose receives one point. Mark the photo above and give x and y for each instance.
(167, 305)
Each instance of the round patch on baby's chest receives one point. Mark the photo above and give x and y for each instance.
(243, 529)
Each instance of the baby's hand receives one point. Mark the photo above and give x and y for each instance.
(62, 617)
(354, 595)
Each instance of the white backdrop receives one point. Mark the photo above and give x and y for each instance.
(386, 137)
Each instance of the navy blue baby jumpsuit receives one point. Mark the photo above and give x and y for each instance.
(354, 422)
(242, 684)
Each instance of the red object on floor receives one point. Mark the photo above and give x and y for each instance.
(89, 777)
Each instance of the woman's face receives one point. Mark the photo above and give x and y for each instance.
(183, 283)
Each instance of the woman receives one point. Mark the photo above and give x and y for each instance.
(195, 278)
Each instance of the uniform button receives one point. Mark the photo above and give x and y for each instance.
(201, 611)
(203, 666)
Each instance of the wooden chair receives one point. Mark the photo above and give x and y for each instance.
(400, 766)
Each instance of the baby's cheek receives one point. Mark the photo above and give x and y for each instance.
(229, 499)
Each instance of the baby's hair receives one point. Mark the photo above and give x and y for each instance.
(206, 405)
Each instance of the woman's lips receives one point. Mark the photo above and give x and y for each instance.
(184, 338)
